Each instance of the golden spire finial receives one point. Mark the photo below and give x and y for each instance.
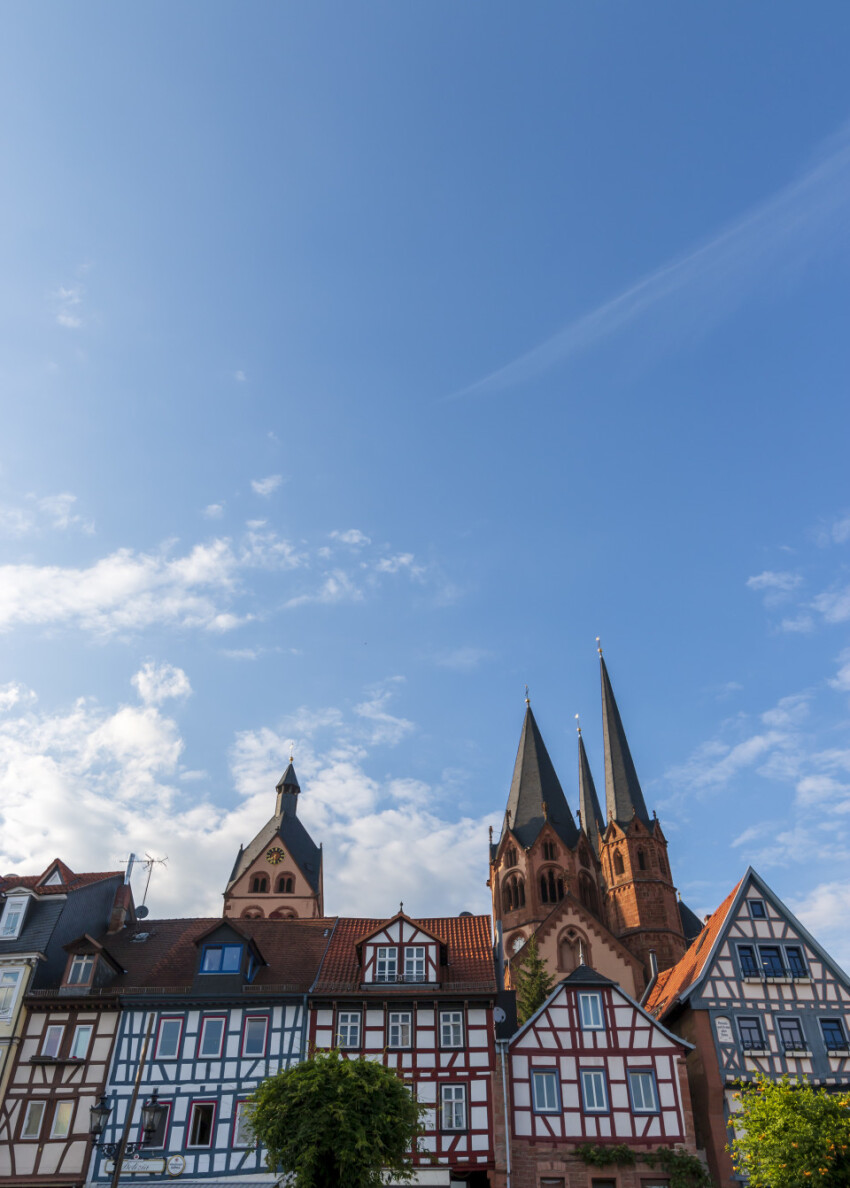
(527, 702)
(578, 725)
(599, 645)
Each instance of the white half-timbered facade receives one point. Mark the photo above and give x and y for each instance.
(592, 1067)
(418, 995)
(756, 993)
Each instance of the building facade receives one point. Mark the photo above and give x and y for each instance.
(754, 993)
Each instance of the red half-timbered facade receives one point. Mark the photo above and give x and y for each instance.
(591, 1066)
(419, 996)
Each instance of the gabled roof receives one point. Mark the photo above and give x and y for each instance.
(589, 921)
(72, 881)
(583, 975)
(288, 780)
(467, 940)
(592, 820)
(398, 916)
(691, 923)
(623, 795)
(89, 944)
(536, 795)
(286, 827)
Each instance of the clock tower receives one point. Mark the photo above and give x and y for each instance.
(278, 876)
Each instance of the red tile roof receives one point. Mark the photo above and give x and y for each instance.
(672, 983)
(468, 945)
(71, 881)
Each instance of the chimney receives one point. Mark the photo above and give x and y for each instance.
(122, 908)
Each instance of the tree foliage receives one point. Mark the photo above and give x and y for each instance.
(789, 1135)
(334, 1122)
(533, 981)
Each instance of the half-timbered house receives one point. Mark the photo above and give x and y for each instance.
(754, 993)
(224, 1003)
(419, 996)
(591, 1066)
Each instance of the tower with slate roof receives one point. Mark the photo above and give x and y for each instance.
(278, 875)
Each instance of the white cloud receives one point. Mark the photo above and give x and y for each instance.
(838, 532)
(41, 513)
(824, 911)
(398, 563)
(68, 302)
(385, 727)
(463, 659)
(834, 605)
(353, 536)
(788, 711)
(159, 682)
(776, 586)
(12, 694)
(801, 624)
(841, 680)
(213, 511)
(267, 486)
(336, 586)
(240, 377)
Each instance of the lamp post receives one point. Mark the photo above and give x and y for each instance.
(151, 1115)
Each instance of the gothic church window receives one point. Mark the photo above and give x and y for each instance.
(513, 896)
(259, 884)
(551, 887)
(510, 856)
(587, 892)
(619, 868)
(285, 885)
(550, 851)
(641, 860)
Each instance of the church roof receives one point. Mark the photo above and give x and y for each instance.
(288, 780)
(691, 923)
(592, 819)
(536, 794)
(623, 795)
(297, 843)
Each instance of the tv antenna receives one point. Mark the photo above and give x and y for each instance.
(148, 864)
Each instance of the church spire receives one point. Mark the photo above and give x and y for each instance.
(536, 795)
(591, 814)
(623, 795)
(287, 792)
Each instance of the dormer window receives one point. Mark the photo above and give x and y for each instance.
(221, 959)
(414, 963)
(81, 971)
(55, 880)
(13, 917)
(386, 964)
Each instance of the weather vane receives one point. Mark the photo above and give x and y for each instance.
(578, 724)
(599, 645)
(527, 702)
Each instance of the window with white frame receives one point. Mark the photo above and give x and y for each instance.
(212, 1037)
(386, 963)
(399, 1029)
(52, 1040)
(451, 1029)
(33, 1117)
(13, 917)
(590, 1010)
(348, 1029)
(593, 1091)
(168, 1039)
(254, 1038)
(80, 1042)
(62, 1115)
(414, 963)
(82, 968)
(243, 1135)
(642, 1090)
(9, 979)
(453, 1107)
(201, 1122)
(544, 1091)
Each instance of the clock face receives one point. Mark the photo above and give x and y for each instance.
(275, 855)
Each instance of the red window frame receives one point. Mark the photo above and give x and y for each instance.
(169, 1019)
(245, 1022)
(199, 1055)
(233, 1144)
(196, 1101)
(164, 1146)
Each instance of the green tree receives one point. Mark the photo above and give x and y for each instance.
(789, 1135)
(334, 1122)
(533, 982)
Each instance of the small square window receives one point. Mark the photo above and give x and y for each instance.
(544, 1091)
(82, 968)
(771, 959)
(52, 1040)
(796, 961)
(791, 1034)
(751, 1035)
(348, 1029)
(642, 1090)
(222, 959)
(32, 1120)
(834, 1037)
(80, 1042)
(451, 1029)
(62, 1116)
(590, 1011)
(201, 1122)
(168, 1039)
(594, 1091)
(756, 907)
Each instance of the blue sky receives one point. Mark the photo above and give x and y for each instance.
(362, 363)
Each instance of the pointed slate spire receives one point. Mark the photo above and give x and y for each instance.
(536, 795)
(287, 792)
(591, 814)
(623, 796)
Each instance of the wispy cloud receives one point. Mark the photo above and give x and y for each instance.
(156, 683)
(805, 218)
(69, 302)
(352, 536)
(463, 659)
(267, 486)
(41, 513)
(240, 377)
(213, 511)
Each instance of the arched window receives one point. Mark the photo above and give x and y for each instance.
(618, 863)
(285, 885)
(252, 913)
(510, 856)
(587, 892)
(551, 887)
(584, 857)
(573, 950)
(282, 914)
(641, 860)
(259, 884)
(550, 851)
(513, 895)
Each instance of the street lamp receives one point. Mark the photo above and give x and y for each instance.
(152, 1112)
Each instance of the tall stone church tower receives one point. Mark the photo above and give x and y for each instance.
(278, 875)
(600, 891)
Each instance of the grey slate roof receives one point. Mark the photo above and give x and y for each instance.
(535, 784)
(691, 923)
(583, 975)
(592, 820)
(623, 795)
(39, 923)
(286, 827)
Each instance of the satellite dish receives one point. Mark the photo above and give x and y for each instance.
(499, 1015)
(142, 912)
